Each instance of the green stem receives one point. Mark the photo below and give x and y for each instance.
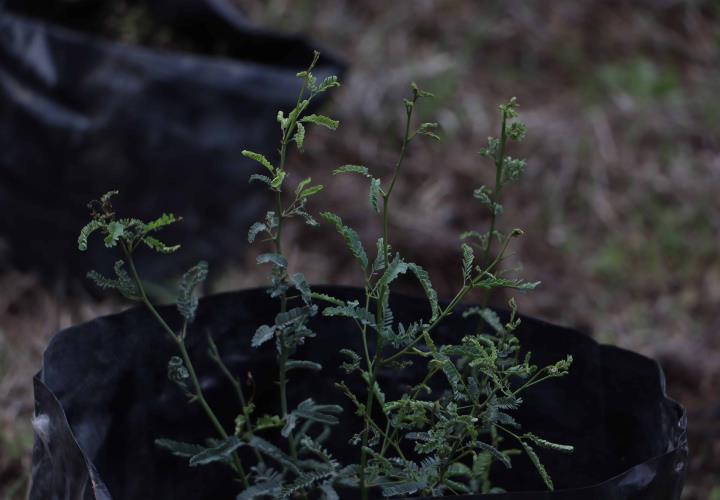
(499, 161)
(179, 341)
(215, 356)
(277, 239)
(379, 313)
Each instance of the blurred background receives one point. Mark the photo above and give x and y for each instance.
(619, 203)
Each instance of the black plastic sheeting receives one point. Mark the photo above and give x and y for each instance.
(81, 115)
(103, 396)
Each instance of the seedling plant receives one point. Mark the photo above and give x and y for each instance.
(424, 443)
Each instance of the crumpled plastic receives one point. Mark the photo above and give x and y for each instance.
(81, 115)
(104, 396)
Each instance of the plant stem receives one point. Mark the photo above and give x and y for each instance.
(277, 239)
(499, 161)
(283, 355)
(179, 341)
(215, 355)
(379, 313)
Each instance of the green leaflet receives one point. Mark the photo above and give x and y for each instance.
(310, 411)
(262, 335)
(272, 258)
(277, 181)
(424, 278)
(490, 281)
(512, 169)
(159, 246)
(260, 159)
(114, 230)
(402, 488)
(187, 302)
(302, 184)
(163, 221)
(543, 443)
(261, 178)
(350, 236)
(305, 481)
(105, 198)
(538, 465)
(377, 391)
(86, 231)
(497, 454)
(179, 449)
(218, 453)
(294, 364)
(328, 83)
(353, 362)
(354, 169)
(467, 262)
(312, 190)
(328, 492)
(272, 451)
(304, 190)
(375, 194)
(256, 229)
(321, 120)
(428, 129)
(396, 268)
(492, 319)
(262, 490)
(294, 316)
(379, 262)
(123, 283)
(298, 281)
(327, 298)
(268, 422)
(299, 136)
(483, 194)
(352, 310)
(452, 374)
(178, 373)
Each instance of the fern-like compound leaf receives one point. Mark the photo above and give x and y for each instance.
(538, 465)
(255, 229)
(321, 120)
(187, 301)
(260, 159)
(354, 169)
(262, 335)
(351, 238)
(467, 262)
(544, 443)
(159, 246)
(179, 449)
(375, 194)
(275, 453)
(299, 136)
(295, 364)
(86, 231)
(272, 258)
(424, 278)
(298, 281)
(113, 232)
(221, 452)
(163, 221)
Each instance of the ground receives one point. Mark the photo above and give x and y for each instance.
(619, 204)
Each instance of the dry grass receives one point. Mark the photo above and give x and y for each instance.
(619, 205)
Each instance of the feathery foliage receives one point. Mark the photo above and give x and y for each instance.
(447, 431)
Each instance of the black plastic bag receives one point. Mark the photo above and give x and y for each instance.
(81, 115)
(109, 378)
